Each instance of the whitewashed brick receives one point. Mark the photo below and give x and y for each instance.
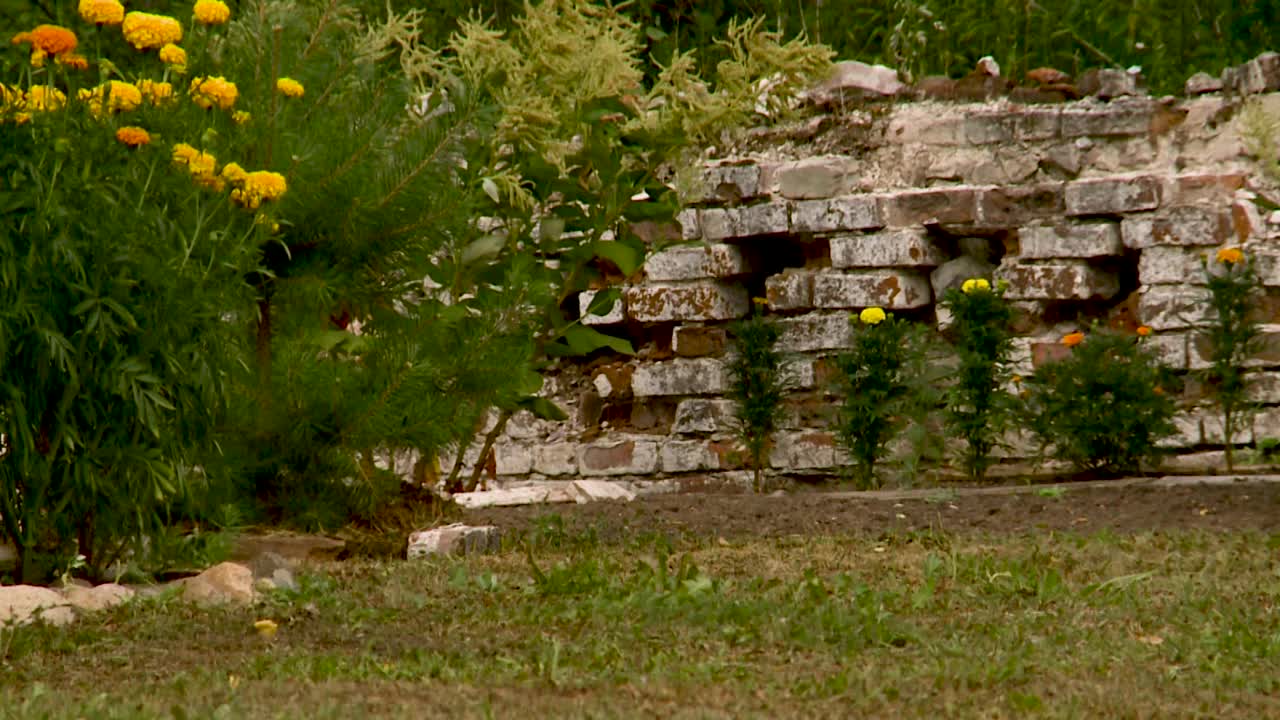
(892, 290)
(911, 247)
(696, 262)
(618, 457)
(704, 415)
(1172, 264)
(1173, 307)
(555, 459)
(841, 214)
(679, 456)
(815, 332)
(701, 301)
(742, 222)
(1179, 226)
(804, 450)
(789, 290)
(1070, 240)
(1112, 196)
(813, 177)
(1056, 280)
(511, 458)
(1169, 348)
(700, 376)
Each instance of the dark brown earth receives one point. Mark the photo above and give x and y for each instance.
(1241, 506)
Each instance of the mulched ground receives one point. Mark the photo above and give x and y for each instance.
(1243, 506)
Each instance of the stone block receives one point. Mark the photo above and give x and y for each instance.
(1057, 280)
(1179, 226)
(555, 459)
(743, 222)
(698, 341)
(925, 125)
(814, 332)
(1171, 265)
(953, 205)
(680, 456)
(618, 457)
(1034, 124)
(454, 539)
(1209, 188)
(811, 450)
(1266, 424)
(728, 184)
(990, 127)
(1112, 196)
(512, 458)
(1169, 348)
(1186, 434)
(702, 376)
(1005, 207)
(789, 290)
(1173, 307)
(1212, 429)
(696, 262)
(1266, 350)
(797, 374)
(813, 177)
(679, 303)
(687, 219)
(840, 214)
(1069, 240)
(889, 289)
(1259, 75)
(911, 247)
(1113, 120)
(1108, 83)
(703, 415)
(616, 314)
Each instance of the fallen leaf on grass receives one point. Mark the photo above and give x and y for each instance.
(1151, 639)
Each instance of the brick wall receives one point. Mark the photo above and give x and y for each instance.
(1096, 208)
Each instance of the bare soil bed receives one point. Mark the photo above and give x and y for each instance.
(1240, 506)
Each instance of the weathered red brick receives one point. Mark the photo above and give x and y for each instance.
(1112, 196)
(702, 301)
(956, 205)
(890, 289)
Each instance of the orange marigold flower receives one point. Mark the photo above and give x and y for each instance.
(259, 186)
(212, 12)
(50, 39)
(1230, 256)
(1144, 330)
(146, 30)
(209, 91)
(118, 96)
(133, 136)
(74, 61)
(173, 55)
(155, 92)
(1073, 339)
(102, 12)
(289, 87)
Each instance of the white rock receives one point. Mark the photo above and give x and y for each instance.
(21, 604)
(987, 65)
(529, 495)
(226, 582)
(97, 598)
(851, 75)
(455, 538)
(585, 491)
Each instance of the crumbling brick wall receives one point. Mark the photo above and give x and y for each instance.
(1090, 210)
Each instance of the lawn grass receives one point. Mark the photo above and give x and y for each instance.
(1180, 624)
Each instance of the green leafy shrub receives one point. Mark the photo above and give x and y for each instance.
(879, 387)
(1232, 335)
(977, 408)
(756, 386)
(1104, 406)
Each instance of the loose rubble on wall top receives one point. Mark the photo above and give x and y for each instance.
(1092, 200)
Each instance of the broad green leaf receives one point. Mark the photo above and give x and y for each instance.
(543, 408)
(583, 340)
(627, 258)
(491, 189)
(603, 301)
(482, 248)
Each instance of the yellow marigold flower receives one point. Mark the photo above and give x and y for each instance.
(973, 284)
(155, 92)
(173, 55)
(241, 117)
(44, 98)
(119, 97)
(259, 186)
(266, 628)
(212, 12)
(102, 12)
(200, 164)
(37, 58)
(1073, 339)
(209, 91)
(74, 61)
(133, 136)
(1230, 256)
(234, 174)
(760, 301)
(290, 87)
(49, 39)
(1143, 330)
(146, 30)
(872, 316)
